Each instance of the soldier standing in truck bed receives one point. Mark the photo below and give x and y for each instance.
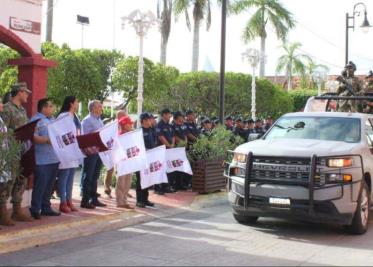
(349, 85)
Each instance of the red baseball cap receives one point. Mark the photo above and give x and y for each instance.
(125, 120)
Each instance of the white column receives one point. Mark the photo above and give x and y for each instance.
(253, 96)
(140, 83)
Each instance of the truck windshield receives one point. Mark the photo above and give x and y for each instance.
(319, 128)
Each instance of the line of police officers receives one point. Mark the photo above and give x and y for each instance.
(184, 132)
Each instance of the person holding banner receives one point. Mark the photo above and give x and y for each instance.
(14, 116)
(46, 163)
(92, 164)
(166, 137)
(66, 170)
(109, 173)
(123, 184)
(192, 129)
(142, 195)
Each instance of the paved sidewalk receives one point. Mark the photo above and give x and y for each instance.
(87, 222)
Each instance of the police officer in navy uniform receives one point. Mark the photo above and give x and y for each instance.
(239, 130)
(179, 178)
(192, 130)
(142, 195)
(250, 127)
(166, 136)
(259, 127)
(206, 127)
(153, 128)
(229, 123)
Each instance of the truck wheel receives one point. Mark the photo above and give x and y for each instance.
(248, 220)
(361, 218)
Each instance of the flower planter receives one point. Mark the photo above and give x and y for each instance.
(208, 176)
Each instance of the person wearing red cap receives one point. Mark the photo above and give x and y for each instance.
(123, 184)
(109, 173)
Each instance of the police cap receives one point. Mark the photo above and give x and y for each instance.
(145, 116)
(165, 111)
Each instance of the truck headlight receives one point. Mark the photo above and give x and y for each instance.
(338, 178)
(339, 163)
(240, 158)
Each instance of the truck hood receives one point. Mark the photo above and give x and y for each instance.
(297, 147)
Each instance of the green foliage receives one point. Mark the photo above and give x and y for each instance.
(266, 12)
(199, 91)
(300, 97)
(8, 74)
(214, 146)
(157, 81)
(10, 155)
(83, 73)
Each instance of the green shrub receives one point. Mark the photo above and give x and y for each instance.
(300, 97)
(214, 146)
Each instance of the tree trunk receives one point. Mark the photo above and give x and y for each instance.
(195, 55)
(49, 21)
(262, 57)
(163, 51)
(289, 81)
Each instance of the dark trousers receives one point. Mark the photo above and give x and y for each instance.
(45, 177)
(90, 175)
(142, 195)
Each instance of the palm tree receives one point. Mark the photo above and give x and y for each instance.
(164, 13)
(267, 12)
(311, 67)
(292, 62)
(201, 10)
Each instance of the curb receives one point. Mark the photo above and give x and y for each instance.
(45, 234)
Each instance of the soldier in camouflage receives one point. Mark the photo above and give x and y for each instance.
(14, 116)
(349, 85)
(368, 88)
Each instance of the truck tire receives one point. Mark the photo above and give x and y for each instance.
(243, 219)
(360, 221)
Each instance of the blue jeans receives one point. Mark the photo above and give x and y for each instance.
(90, 174)
(65, 183)
(45, 177)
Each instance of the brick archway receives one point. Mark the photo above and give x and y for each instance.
(32, 67)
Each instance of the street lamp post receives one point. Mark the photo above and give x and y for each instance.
(84, 21)
(141, 23)
(253, 57)
(365, 25)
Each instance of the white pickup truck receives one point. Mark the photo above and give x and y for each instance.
(313, 166)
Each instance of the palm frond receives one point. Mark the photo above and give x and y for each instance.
(254, 27)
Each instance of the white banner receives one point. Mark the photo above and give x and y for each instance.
(109, 137)
(155, 171)
(62, 133)
(134, 159)
(177, 160)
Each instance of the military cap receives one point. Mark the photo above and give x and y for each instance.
(165, 111)
(18, 87)
(189, 112)
(258, 120)
(229, 118)
(250, 121)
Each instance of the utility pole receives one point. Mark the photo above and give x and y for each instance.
(49, 21)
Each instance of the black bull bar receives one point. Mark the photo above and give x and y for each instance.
(310, 184)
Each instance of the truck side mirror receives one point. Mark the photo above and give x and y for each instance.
(254, 136)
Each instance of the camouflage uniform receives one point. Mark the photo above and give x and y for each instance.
(343, 90)
(368, 88)
(14, 117)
